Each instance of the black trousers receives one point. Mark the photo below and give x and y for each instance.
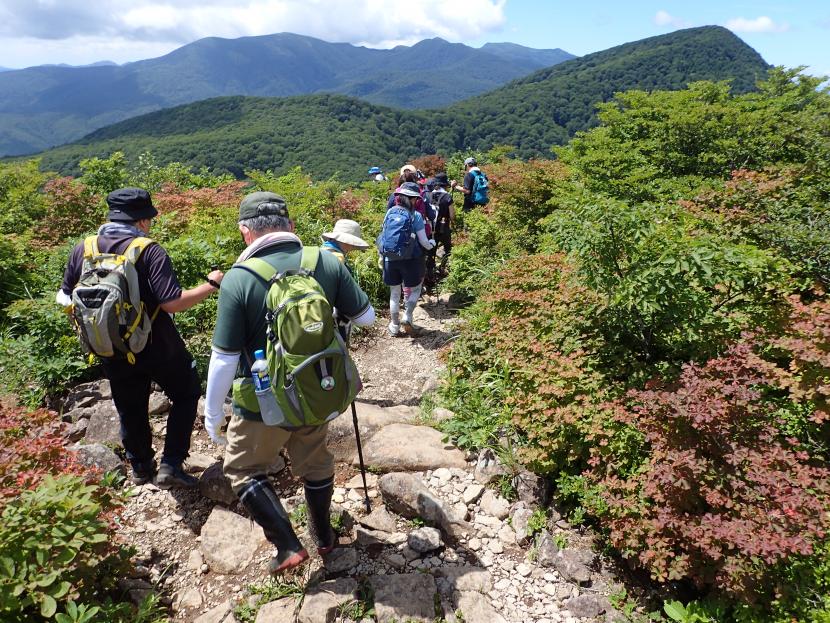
(176, 375)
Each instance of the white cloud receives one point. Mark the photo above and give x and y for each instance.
(758, 24)
(664, 18)
(124, 29)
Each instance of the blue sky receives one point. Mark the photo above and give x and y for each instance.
(78, 31)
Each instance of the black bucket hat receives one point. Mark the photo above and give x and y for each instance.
(130, 204)
(441, 179)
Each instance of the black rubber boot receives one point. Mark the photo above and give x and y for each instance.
(318, 498)
(261, 501)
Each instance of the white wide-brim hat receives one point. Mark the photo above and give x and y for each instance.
(347, 232)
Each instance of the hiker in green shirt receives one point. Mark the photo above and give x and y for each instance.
(251, 445)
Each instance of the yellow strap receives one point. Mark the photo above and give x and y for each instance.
(155, 313)
(139, 316)
(136, 248)
(91, 246)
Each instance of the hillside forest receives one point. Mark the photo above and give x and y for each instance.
(647, 326)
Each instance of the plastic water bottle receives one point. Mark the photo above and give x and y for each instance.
(268, 407)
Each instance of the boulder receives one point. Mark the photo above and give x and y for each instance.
(407, 597)
(278, 611)
(546, 549)
(407, 495)
(158, 404)
(321, 603)
(104, 426)
(488, 468)
(371, 418)
(76, 430)
(424, 540)
(475, 608)
(198, 463)
(214, 485)
(86, 395)
(464, 578)
(223, 613)
(188, 599)
(341, 559)
(229, 541)
(531, 489)
(574, 564)
(495, 505)
(587, 606)
(100, 456)
(405, 447)
(379, 519)
(520, 515)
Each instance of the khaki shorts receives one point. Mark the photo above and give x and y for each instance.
(253, 448)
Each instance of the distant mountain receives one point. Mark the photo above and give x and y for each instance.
(49, 105)
(328, 134)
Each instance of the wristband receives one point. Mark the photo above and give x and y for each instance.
(213, 283)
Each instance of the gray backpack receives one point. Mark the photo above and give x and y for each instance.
(107, 310)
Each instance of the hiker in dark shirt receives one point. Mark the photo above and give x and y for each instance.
(164, 359)
(468, 184)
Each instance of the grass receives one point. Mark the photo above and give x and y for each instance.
(270, 590)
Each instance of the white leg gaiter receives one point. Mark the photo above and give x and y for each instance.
(395, 304)
(411, 301)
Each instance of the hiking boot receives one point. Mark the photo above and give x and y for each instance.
(318, 500)
(143, 473)
(260, 500)
(170, 476)
(394, 329)
(411, 329)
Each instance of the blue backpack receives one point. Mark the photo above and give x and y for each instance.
(480, 188)
(396, 240)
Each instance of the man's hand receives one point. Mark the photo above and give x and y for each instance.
(213, 426)
(215, 277)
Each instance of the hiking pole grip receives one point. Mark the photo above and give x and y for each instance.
(209, 280)
(360, 458)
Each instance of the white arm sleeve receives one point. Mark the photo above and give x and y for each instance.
(425, 242)
(366, 318)
(220, 379)
(62, 298)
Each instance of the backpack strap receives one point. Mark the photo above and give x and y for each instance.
(311, 255)
(258, 267)
(136, 248)
(91, 246)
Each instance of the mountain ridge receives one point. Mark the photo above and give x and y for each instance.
(335, 134)
(49, 105)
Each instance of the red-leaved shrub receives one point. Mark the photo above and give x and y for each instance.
(722, 497)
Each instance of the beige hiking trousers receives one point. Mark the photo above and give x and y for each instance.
(253, 447)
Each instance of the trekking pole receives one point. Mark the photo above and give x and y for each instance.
(357, 434)
(360, 458)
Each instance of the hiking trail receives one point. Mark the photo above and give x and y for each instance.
(439, 544)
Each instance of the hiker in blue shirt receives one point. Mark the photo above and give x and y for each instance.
(406, 272)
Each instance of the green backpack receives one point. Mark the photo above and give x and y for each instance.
(312, 375)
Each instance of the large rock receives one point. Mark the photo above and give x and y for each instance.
(76, 430)
(158, 404)
(223, 613)
(341, 559)
(488, 468)
(520, 515)
(407, 495)
(587, 606)
(546, 550)
(405, 447)
(424, 540)
(379, 519)
(531, 488)
(229, 541)
(188, 599)
(104, 426)
(279, 611)
(321, 603)
(466, 578)
(574, 564)
(100, 456)
(86, 395)
(493, 504)
(476, 608)
(408, 597)
(214, 485)
(371, 418)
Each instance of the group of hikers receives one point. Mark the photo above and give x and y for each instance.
(280, 344)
